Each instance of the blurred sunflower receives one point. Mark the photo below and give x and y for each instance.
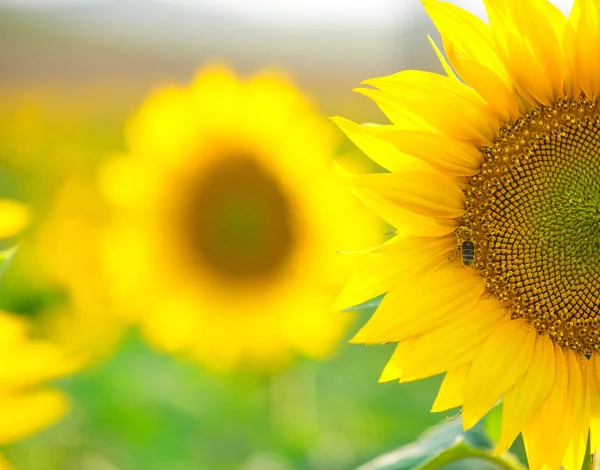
(26, 406)
(229, 218)
(493, 188)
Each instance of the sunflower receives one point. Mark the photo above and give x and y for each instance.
(494, 275)
(228, 219)
(25, 363)
(25, 405)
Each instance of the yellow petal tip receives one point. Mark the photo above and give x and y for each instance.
(358, 338)
(364, 91)
(468, 421)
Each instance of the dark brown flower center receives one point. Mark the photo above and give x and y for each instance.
(237, 220)
(533, 214)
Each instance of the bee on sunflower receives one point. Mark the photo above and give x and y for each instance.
(228, 215)
(506, 148)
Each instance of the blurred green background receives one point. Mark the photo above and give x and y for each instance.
(147, 411)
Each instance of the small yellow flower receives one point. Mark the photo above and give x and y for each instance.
(493, 177)
(229, 218)
(26, 406)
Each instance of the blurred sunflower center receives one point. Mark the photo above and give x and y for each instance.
(534, 215)
(238, 220)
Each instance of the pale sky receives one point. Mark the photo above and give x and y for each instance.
(299, 12)
(333, 10)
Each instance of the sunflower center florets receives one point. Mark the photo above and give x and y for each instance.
(534, 215)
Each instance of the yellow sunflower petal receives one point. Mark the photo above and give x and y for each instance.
(585, 18)
(501, 31)
(501, 361)
(407, 85)
(34, 362)
(173, 335)
(14, 217)
(412, 310)
(452, 344)
(497, 94)
(470, 37)
(12, 330)
(594, 384)
(470, 48)
(161, 137)
(450, 394)
(23, 415)
(380, 151)
(424, 193)
(449, 156)
(560, 418)
(542, 26)
(405, 220)
(522, 400)
(528, 42)
(442, 59)
(549, 419)
(426, 97)
(576, 11)
(580, 409)
(380, 272)
(572, 87)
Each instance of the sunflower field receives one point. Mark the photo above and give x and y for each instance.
(215, 256)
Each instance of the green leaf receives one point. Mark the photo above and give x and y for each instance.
(442, 445)
(493, 423)
(463, 451)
